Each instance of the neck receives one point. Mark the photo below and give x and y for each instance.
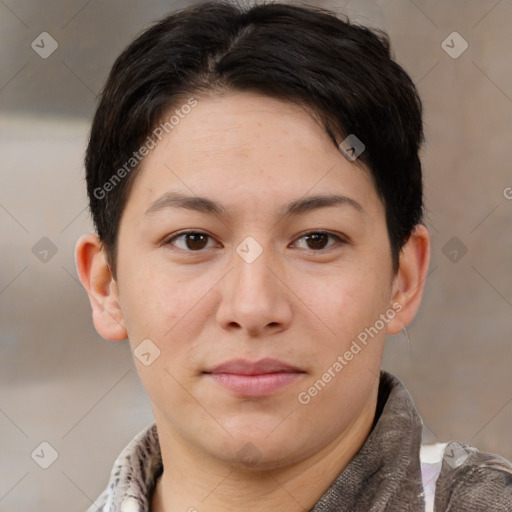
(193, 482)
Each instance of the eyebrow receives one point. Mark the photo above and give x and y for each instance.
(208, 206)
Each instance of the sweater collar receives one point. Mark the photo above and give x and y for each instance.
(384, 475)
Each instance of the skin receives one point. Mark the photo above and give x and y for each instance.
(299, 302)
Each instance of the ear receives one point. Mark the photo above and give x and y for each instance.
(97, 279)
(409, 282)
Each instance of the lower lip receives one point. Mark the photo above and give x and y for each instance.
(255, 385)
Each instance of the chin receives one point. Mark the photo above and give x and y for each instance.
(258, 449)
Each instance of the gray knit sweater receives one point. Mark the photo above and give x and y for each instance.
(392, 472)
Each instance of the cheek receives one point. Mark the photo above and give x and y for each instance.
(164, 306)
(347, 355)
(345, 302)
(170, 311)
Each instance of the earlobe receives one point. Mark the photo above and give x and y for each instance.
(97, 279)
(410, 279)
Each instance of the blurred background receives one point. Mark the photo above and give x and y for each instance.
(61, 384)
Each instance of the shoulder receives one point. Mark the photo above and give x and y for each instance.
(133, 475)
(473, 481)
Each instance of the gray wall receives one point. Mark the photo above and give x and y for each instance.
(61, 383)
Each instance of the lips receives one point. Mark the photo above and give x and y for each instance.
(254, 378)
(261, 367)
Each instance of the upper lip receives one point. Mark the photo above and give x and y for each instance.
(246, 367)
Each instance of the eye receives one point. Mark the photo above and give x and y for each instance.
(318, 240)
(192, 241)
(195, 241)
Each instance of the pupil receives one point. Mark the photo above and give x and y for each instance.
(196, 241)
(317, 240)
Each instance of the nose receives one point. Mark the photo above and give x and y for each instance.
(254, 297)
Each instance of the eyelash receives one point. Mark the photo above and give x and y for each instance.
(181, 234)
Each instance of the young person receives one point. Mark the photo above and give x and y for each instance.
(255, 184)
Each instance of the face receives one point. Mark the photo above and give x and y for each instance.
(252, 255)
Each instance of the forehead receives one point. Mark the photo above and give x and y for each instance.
(245, 119)
(250, 148)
